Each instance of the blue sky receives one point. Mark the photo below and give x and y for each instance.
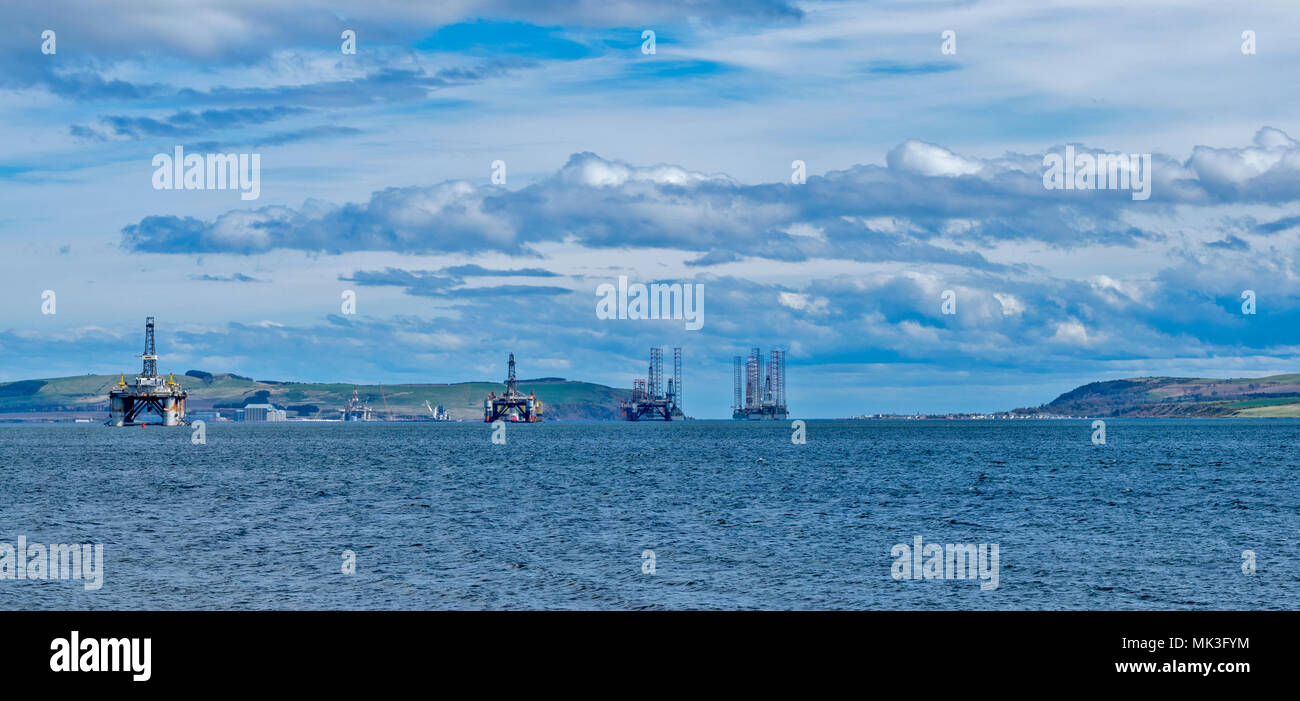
(924, 174)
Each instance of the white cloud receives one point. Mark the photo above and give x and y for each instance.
(593, 171)
(928, 159)
(1272, 148)
(1011, 305)
(802, 302)
(1071, 332)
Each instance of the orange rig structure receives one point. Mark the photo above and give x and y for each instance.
(512, 406)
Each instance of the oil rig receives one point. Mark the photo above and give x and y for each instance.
(150, 394)
(512, 406)
(355, 409)
(764, 390)
(649, 401)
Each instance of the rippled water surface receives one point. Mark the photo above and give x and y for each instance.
(737, 516)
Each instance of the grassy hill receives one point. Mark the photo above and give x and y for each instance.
(1275, 396)
(464, 400)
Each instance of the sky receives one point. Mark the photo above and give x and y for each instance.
(476, 170)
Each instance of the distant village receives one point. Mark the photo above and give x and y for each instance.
(1005, 415)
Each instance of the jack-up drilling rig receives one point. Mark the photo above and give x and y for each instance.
(149, 394)
(512, 406)
(649, 401)
(764, 391)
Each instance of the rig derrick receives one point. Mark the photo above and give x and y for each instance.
(512, 406)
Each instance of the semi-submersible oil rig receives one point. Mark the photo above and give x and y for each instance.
(512, 406)
(649, 401)
(764, 390)
(149, 394)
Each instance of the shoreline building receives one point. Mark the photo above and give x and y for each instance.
(263, 412)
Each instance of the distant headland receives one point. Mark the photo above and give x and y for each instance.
(1277, 396)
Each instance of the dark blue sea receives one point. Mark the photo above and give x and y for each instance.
(736, 515)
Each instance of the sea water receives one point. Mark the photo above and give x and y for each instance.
(685, 515)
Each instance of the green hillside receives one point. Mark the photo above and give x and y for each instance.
(563, 399)
(1260, 397)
